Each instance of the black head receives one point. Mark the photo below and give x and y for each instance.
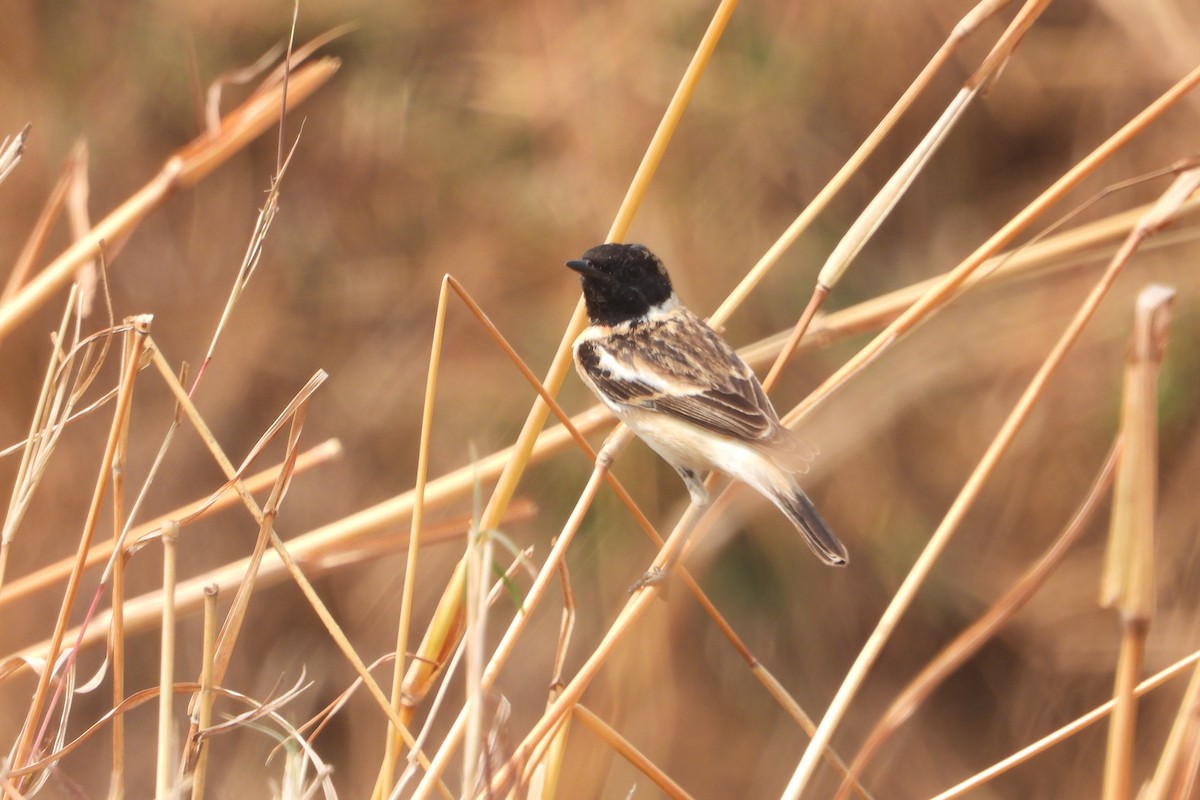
(621, 282)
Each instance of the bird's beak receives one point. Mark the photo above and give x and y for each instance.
(585, 267)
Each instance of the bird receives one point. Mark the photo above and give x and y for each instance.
(684, 391)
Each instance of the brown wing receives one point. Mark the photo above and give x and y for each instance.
(681, 367)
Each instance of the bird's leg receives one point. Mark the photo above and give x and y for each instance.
(695, 486)
(656, 575)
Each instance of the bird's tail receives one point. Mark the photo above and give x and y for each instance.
(816, 531)
(793, 502)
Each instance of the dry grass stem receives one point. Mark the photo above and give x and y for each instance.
(318, 721)
(795, 337)
(204, 712)
(478, 561)
(249, 120)
(1067, 731)
(444, 629)
(79, 220)
(116, 786)
(36, 241)
(445, 626)
(254, 250)
(886, 199)
(450, 529)
(441, 490)
(1128, 581)
(228, 637)
(789, 704)
(404, 623)
(662, 136)
(164, 777)
(624, 748)
(1118, 764)
(544, 780)
(116, 639)
(1179, 767)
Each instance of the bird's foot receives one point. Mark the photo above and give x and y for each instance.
(655, 576)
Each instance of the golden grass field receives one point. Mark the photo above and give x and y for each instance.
(492, 142)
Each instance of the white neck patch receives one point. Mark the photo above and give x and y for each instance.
(661, 310)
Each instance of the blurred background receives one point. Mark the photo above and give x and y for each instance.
(494, 141)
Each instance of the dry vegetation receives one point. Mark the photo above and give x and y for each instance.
(973, 438)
